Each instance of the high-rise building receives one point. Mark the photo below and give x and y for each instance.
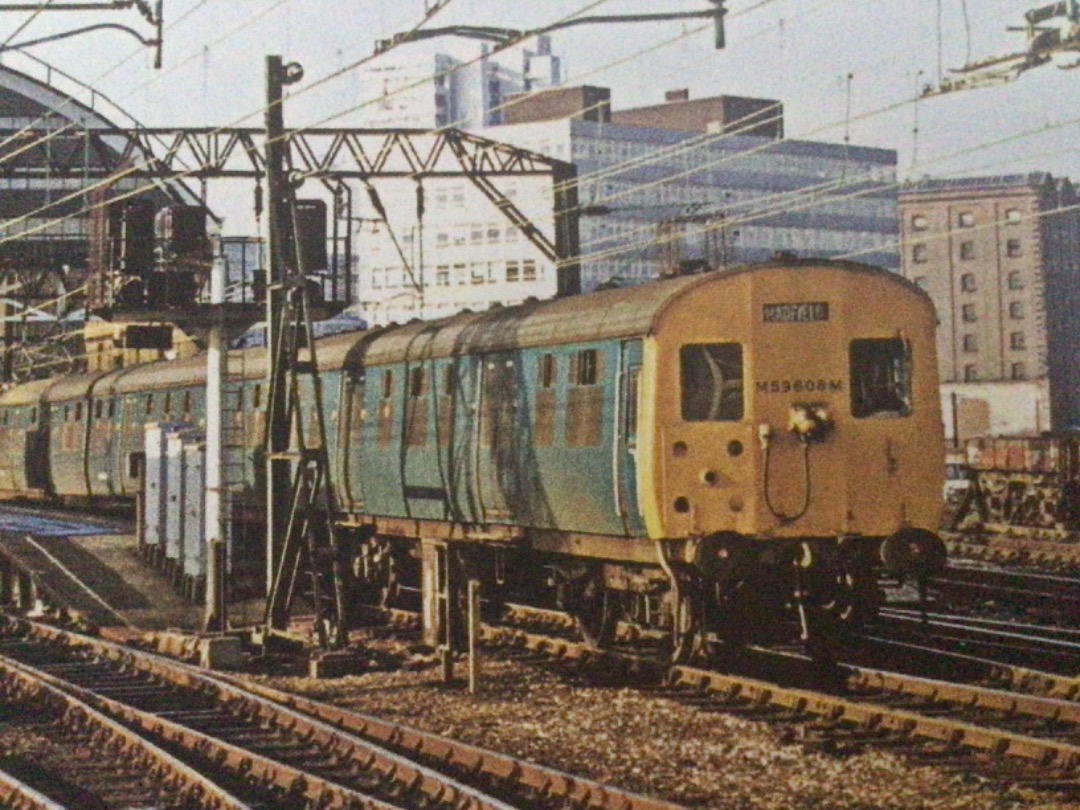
(695, 183)
(1000, 256)
(437, 90)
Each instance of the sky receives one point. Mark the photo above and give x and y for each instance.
(842, 68)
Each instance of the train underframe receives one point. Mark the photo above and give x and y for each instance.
(693, 595)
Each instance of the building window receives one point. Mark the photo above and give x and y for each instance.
(442, 275)
(970, 374)
(1016, 340)
(967, 282)
(918, 253)
(513, 271)
(970, 343)
(528, 270)
(1016, 280)
(1016, 310)
(1013, 249)
(966, 219)
(1019, 371)
(918, 222)
(967, 250)
(967, 312)
(1012, 216)
(493, 234)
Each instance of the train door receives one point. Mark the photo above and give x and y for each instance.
(422, 471)
(495, 439)
(36, 460)
(350, 484)
(625, 445)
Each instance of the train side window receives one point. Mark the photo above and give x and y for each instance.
(387, 384)
(168, 402)
(149, 404)
(448, 380)
(112, 408)
(416, 382)
(257, 396)
(546, 370)
(711, 377)
(187, 401)
(67, 413)
(33, 415)
(585, 367)
(880, 378)
(99, 406)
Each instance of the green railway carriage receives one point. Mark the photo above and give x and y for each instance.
(707, 454)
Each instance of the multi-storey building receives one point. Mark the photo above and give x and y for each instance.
(437, 90)
(661, 188)
(1000, 256)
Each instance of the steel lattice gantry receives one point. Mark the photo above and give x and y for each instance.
(342, 154)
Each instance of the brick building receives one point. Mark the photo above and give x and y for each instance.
(1000, 256)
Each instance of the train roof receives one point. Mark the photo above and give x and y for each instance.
(28, 393)
(608, 314)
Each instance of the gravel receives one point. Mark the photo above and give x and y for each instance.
(647, 742)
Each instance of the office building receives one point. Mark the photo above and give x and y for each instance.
(1000, 256)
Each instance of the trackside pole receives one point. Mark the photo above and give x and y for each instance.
(474, 633)
(215, 618)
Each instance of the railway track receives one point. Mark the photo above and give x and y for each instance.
(1041, 553)
(1052, 598)
(1032, 738)
(280, 752)
(1052, 649)
(74, 756)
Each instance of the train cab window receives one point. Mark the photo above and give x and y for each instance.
(546, 370)
(880, 378)
(711, 379)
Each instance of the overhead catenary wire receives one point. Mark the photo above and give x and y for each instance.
(669, 178)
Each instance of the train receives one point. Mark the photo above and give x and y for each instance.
(731, 456)
(1027, 486)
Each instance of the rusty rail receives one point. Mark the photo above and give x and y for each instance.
(862, 714)
(17, 796)
(499, 768)
(1001, 548)
(20, 683)
(350, 739)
